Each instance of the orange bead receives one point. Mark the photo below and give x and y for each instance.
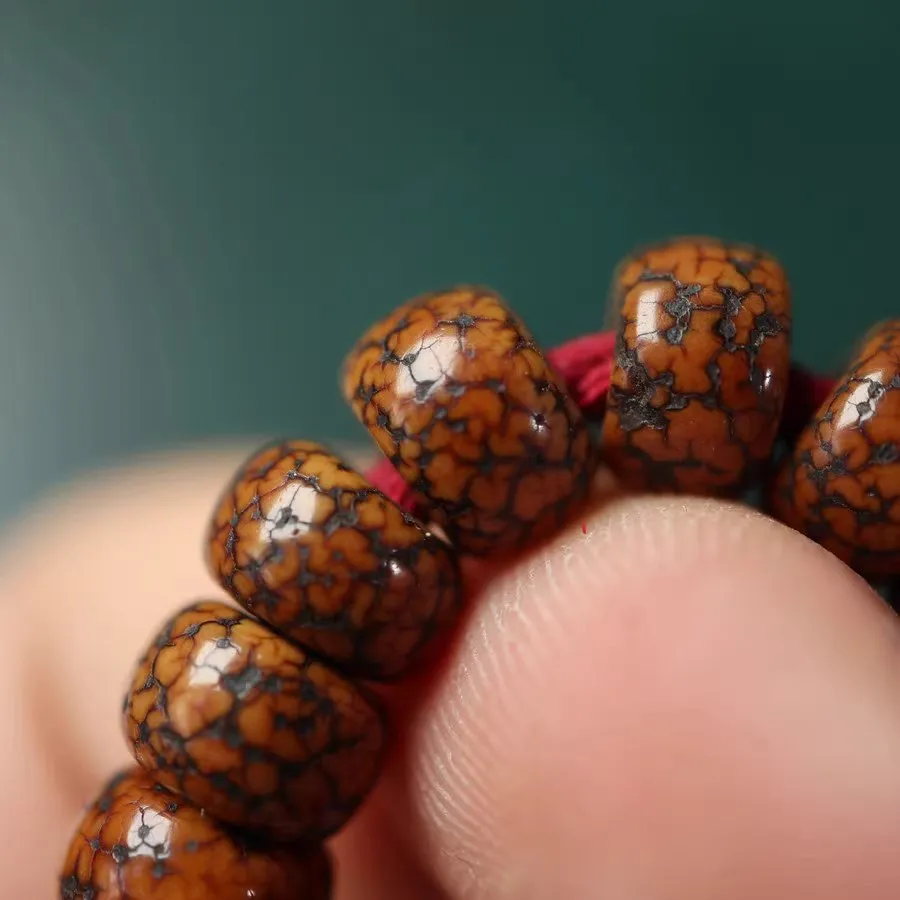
(138, 841)
(701, 367)
(841, 485)
(457, 394)
(307, 544)
(240, 722)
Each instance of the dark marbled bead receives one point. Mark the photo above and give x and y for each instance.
(308, 545)
(242, 723)
(459, 397)
(841, 485)
(701, 367)
(139, 841)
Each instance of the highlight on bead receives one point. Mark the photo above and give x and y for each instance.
(841, 484)
(139, 841)
(462, 401)
(308, 545)
(585, 363)
(245, 725)
(701, 366)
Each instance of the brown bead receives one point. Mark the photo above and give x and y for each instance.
(841, 485)
(308, 545)
(459, 397)
(242, 723)
(701, 366)
(138, 841)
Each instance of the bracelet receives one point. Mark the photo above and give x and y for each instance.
(254, 728)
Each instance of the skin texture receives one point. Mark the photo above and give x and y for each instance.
(841, 486)
(138, 841)
(233, 717)
(305, 543)
(461, 400)
(701, 367)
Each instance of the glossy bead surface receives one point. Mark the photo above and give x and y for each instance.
(841, 485)
(138, 841)
(701, 366)
(308, 545)
(239, 721)
(461, 400)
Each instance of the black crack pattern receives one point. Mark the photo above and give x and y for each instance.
(307, 544)
(461, 400)
(139, 841)
(841, 485)
(233, 717)
(700, 368)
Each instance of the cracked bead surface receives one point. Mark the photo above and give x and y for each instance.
(462, 401)
(307, 544)
(841, 485)
(701, 366)
(138, 841)
(239, 721)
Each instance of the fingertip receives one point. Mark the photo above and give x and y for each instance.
(681, 699)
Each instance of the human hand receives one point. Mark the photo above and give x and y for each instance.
(676, 699)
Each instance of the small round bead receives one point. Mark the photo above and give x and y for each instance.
(247, 726)
(459, 397)
(701, 366)
(138, 841)
(308, 545)
(841, 484)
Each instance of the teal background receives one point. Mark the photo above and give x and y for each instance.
(202, 204)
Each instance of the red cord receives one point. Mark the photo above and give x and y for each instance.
(585, 364)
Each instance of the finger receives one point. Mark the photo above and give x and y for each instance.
(685, 701)
(87, 579)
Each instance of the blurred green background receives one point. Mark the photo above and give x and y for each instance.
(202, 204)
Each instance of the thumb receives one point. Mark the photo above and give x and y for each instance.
(686, 701)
